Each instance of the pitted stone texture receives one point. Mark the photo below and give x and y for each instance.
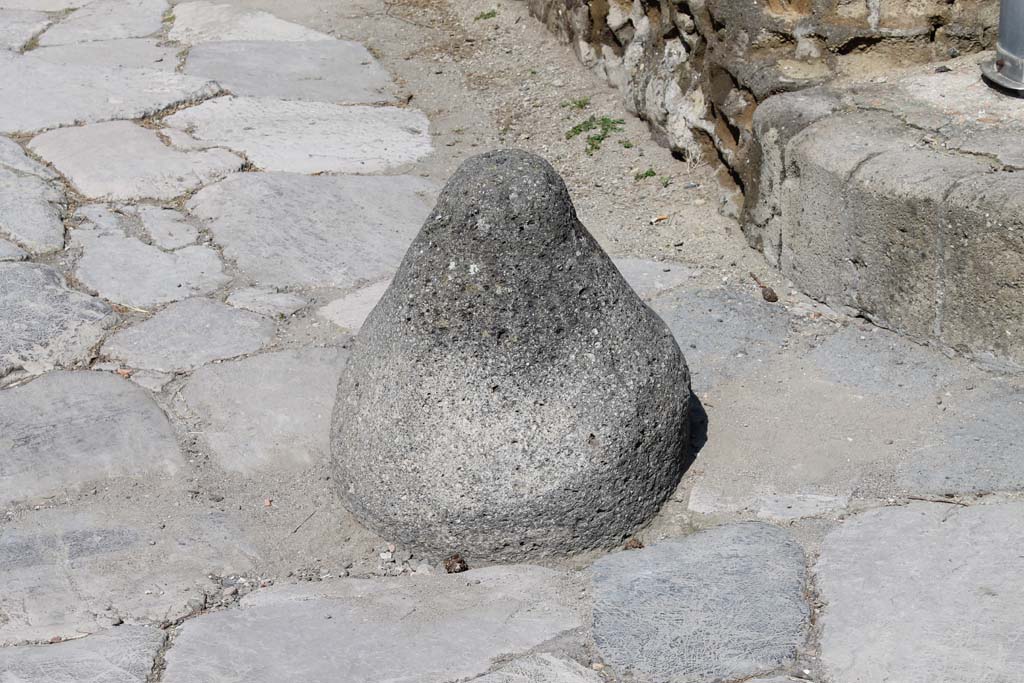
(288, 230)
(924, 592)
(266, 301)
(107, 20)
(67, 572)
(544, 668)
(66, 429)
(430, 629)
(43, 324)
(270, 412)
(350, 311)
(166, 227)
(309, 137)
(336, 71)
(126, 53)
(9, 251)
(197, 22)
(120, 655)
(120, 160)
(723, 604)
(13, 157)
(188, 334)
(40, 95)
(126, 270)
(18, 27)
(544, 406)
(30, 212)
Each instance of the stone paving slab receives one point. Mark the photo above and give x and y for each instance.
(924, 592)
(119, 160)
(18, 27)
(66, 429)
(107, 20)
(13, 157)
(285, 230)
(197, 22)
(338, 71)
(127, 53)
(650, 278)
(266, 301)
(350, 311)
(30, 212)
(9, 251)
(543, 668)
(169, 229)
(42, 5)
(723, 604)
(120, 655)
(419, 629)
(309, 137)
(43, 324)
(270, 412)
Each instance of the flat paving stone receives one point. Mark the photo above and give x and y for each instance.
(336, 71)
(9, 251)
(545, 668)
(123, 161)
(286, 230)
(39, 94)
(13, 158)
(18, 27)
(42, 5)
(30, 212)
(127, 271)
(43, 323)
(350, 311)
(107, 20)
(66, 429)
(309, 137)
(652, 278)
(197, 22)
(924, 592)
(421, 629)
(169, 229)
(266, 301)
(723, 604)
(188, 334)
(120, 655)
(126, 53)
(270, 412)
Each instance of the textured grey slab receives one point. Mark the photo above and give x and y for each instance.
(44, 324)
(13, 157)
(120, 160)
(417, 630)
(42, 5)
(924, 592)
(188, 334)
(266, 301)
(127, 53)
(288, 230)
(9, 251)
(106, 20)
(197, 22)
(120, 655)
(17, 27)
(30, 212)
(336, 71)
(650, 278)
(350, 311)
(543, 668)
(269, 412)
(722, 604)
(167, 228)
(66, 429)
(39, 94)
(309, 137)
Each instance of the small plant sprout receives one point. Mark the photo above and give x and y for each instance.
(605, 127)
(626, 143)
(489, 14)
(579, 103)
(665, 181)
(649, 173)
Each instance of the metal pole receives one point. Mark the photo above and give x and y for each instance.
(1007, 69)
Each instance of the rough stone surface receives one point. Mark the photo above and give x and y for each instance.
(269, 412)
(106, 20)
(188, 334)
(66, 429)
(167, 228)
(337, 71)
(528, 377)
(350, 311)
(287, 230)
(39, 94)
(9, 251)
(126, 53)
(126, 270)
(722, 604)
(13, 157)
(266, 301)
(120, 655)
(30, 212)
(120, 160)
(652, 278)
(924, 592)
(544, 668)
(197, 22)
(18, 27)
(43, 324)
(42, 5)
(379, 630)
(310, 137)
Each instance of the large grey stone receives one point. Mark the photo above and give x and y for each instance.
(13, 157)
(924, 592)
(543, 668)
(120, 655)
(125, 53)
(30, 212)
(43, 324)
(188, 334)
(288, 230)
(266, 301)
(325, 71)
(9, 251)
(107, 20)
(269, 412)
(18, 27)
(42, 5)
(167, 228)
(120, 160)
(39, 94)
(721, 605)
(66, 429)
(652, 278)
(415, 630)
(197, 22)
(350, 311)
(543, 405)
(309, 137)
